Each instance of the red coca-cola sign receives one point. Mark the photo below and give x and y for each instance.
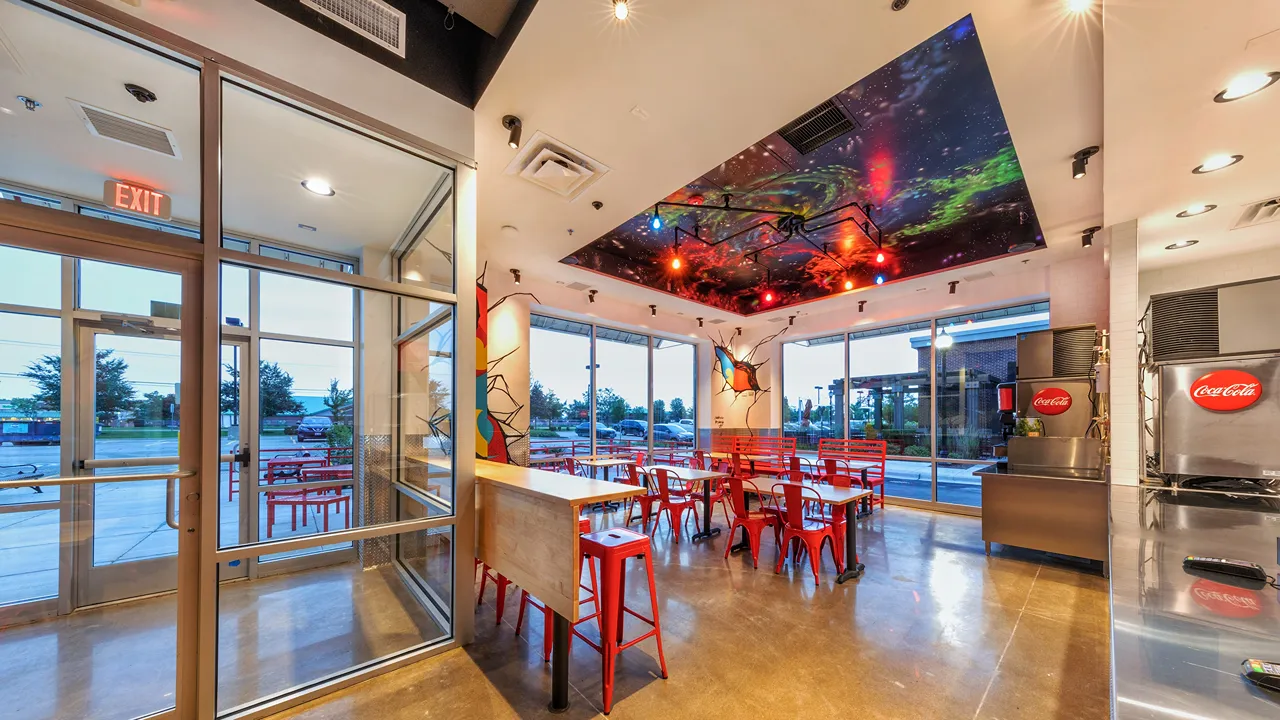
(1225, 600)
(1051, 401)
(1226, 390)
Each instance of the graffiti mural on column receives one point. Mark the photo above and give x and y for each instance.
(739, 375)
(497, 410)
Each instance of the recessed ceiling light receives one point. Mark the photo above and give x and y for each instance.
(1079, 6)
(848, 284)
(1181, 244)
(6, 111)
(1216, 162)
(1193, 210)
(318, 186)
(621, 9)
(1246, 84)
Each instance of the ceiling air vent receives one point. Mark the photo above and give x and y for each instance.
(373, 20)
(114, 126)
(816, 128)
(716, 321)
(1184, 326)
(554, 166)
(579, 286)
(1259, 213)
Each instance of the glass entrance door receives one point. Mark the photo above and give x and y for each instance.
(128, 372)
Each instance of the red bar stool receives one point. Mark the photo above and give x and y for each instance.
(584, 526)
(501, 582)
(612, 548)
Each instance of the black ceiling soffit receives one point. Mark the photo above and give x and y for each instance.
(457, 63)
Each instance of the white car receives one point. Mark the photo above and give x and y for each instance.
(686, 423)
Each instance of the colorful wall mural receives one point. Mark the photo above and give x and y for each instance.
(739, 375)
(501, 434)
(929, 151)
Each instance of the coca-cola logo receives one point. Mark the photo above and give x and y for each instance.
(1051, 401)
(1225, 600)
(1226, 390)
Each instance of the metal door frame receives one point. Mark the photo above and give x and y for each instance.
(109, 583)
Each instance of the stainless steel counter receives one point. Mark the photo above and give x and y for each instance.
(1040, 509)
(1178, 639)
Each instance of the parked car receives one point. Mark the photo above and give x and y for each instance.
(602, 431)
(639, 428)
(687, 423)
(314, 428)
(671, 432)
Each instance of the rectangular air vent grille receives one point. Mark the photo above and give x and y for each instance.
(1258, 213)
(1073, 351)
(816, 128)
(579, 286)
(1184, 326)
(114, 126)
(716, 321)
(371, 19)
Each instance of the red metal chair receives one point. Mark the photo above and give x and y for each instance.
(324, 498)
(645, 501)
(501, 583)
(754, 521)
(612, 548)
(802, 531)
(584, 526)
(284, 469)
(675, 502)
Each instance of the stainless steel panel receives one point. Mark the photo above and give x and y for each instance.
(1246, 317)
(1072, 423)
(1035, 354)
(1059, 516)
(1196, 441)
(1068, 456)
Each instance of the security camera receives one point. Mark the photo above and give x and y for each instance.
(140, 93)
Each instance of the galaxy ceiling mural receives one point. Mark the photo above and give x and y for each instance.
(911, 170)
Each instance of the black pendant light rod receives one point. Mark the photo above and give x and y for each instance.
(791, 223)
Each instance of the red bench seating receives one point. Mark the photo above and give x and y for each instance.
(779, 450)
(867, 451)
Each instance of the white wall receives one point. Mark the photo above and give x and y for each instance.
(1126, 462)
(1188, 276)
(256, 35)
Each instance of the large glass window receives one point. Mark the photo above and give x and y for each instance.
(30, 278)
(674, 390)
(979, 352)
(889, 388)
(560, 388)
(813, 398)
(622, 382)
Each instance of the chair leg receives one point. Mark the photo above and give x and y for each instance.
(524, 601)
(547, 636)
(815, 558)
(753, 539)
(484, 579)
(729, 543)
(653, 608)
(782, 551)
(502, 596)
(724, 505)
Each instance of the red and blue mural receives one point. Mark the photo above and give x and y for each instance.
(929, 150)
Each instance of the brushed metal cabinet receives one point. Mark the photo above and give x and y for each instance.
(1196, 441)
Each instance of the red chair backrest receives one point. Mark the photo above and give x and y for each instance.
(662, 477)
(797, 495)
(840, 481)
(633, 476)
(568, 466)
(738, 489)
(640, 458)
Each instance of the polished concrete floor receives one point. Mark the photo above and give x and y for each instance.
(117, 661)
(936, 629)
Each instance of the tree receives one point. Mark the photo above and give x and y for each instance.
(155, 407)
(676, 412)
(611, 408)
(275, 391)
(112, 392)
(659, 411)
(229, 391)
(544, 405)
(338, 401)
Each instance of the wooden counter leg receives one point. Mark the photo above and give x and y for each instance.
(559, 665)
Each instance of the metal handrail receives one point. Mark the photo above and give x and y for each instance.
(108, 463)
(91, 479)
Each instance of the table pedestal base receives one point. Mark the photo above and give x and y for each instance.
(559, 665)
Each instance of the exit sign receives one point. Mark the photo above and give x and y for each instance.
(136, 199)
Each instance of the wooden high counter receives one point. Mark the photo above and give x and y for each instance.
(527, 527)
(527, 524)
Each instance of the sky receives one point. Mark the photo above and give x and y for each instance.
(559, 361)
(289, 305)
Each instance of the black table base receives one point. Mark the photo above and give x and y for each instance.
(559, 664)
(707, 530)
(853, 568)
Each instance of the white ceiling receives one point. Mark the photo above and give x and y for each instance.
(490, 16)
(715, 76)
(1166, 59)
(268, 147)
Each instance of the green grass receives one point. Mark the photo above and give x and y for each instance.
(108, 433)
